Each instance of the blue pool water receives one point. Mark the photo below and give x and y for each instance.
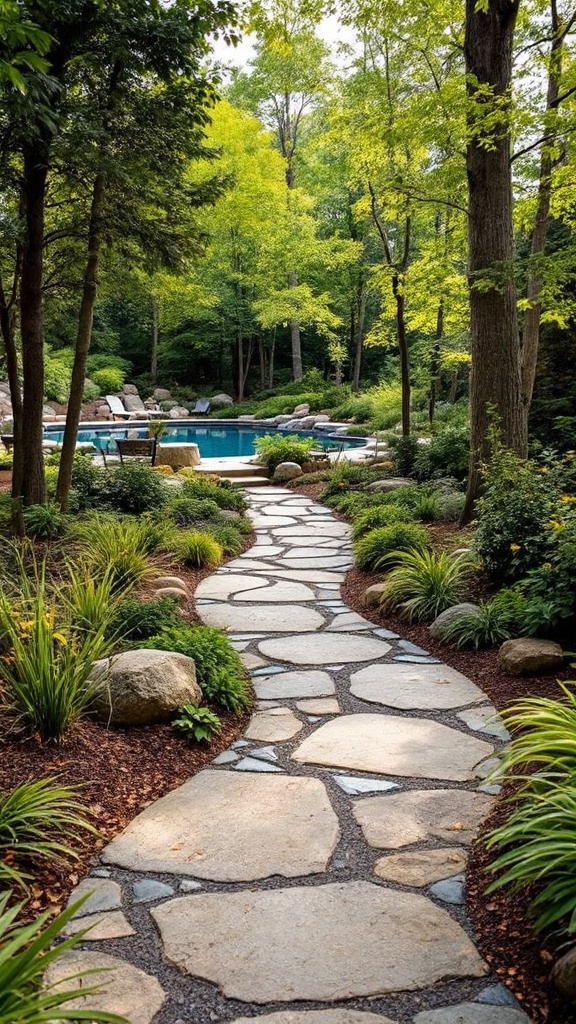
(214, 442)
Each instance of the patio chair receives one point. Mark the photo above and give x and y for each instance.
(202, 407)
(142, 449)
(8, 441)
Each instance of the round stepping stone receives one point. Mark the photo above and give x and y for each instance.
(259, 521)
(270, 618)
(219, 587)
(320, 943)
(324, 649)
(103, 894)
(273, 726)
(111, 925)
(232, 828)
(281, 592)
(422, 687)
(317, 1017)
(414, 747)
(124, 989)
(294, 684)
(404, 818)
(421, 867)
(472, 1013)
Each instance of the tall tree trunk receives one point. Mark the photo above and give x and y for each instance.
(358, 322)
(244, 361)
(295, 339)
(403, 349)
(28, 458)
(495, 380)
(435, 362)
(9, 341)
(262, 359)
(155, 336)
(83, 339)
(271, 362)
(531, 326)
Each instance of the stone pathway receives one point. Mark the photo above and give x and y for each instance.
(314, 873)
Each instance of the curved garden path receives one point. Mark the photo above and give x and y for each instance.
(314, 873)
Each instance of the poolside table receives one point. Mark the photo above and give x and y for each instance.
(178, 455)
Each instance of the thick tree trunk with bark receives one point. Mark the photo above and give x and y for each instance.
(495, 382)
(155, 337)
(403, 349)
(295, 339)
(83, 339)
(28, 458)
(358, 321)
(435, 362)
(7, 331)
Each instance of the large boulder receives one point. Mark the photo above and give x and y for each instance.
(179, 412)
(48, 412)
(130, 389)
(290, 425)
(438, 628)
(133, 403)
(161, 394)
(221, 400)
(143, 687)
(321, 418)
(287, 471)
(564, 974)
(307, 422)
(301, 410)
(527, 655)
(283, 418)
(393, 484)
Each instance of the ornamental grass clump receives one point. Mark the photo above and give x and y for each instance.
(491, 623)
(381, 515)
(196, 549)
(381, 546)
(424, 583)
(118, 549)
(537, 842)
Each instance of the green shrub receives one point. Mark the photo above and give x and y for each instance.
(196, 486)
(448, 454)
(136, 620)
(109, 379)
(189, 511)
(105, 361)
(425, 507)
(450, 507)
(57, 377)
(135, 488)
(228, 537)
(44, 521)
(115, 549)
(424, 583)
(35, 820)
(90, 392)
(346, 476)
(351, 503)
(88, 481)
(381, 515)
(272, 449)
(90, 600)
(200, 724)
(537, 841)
(26, 953)
(548, 591)
(494, 621)
(219, 670)
(374, 547)
(196, 549)
(404, 451)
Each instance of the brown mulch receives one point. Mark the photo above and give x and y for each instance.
(521, 959)
(120, 771)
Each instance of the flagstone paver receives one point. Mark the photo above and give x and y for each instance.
(273, 823)
(324, 942)
(124, 989)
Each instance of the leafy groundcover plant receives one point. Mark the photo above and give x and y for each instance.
(198, 723)
(537, 843)
(219, 670)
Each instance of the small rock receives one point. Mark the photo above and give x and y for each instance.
(148, 889)
(171, 581)
(130, 389)
(301, 410)
(497, 995)
(438, 628)
(174, 592)
(393, 484)
(449, 890)
(287, 471)
(373, 595)
(189, 885)
(564, 974)
(525, 655)
(161, 394)
(102, 894)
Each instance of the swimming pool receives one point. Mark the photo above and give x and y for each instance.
(214, 442)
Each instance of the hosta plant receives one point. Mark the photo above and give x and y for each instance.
(199, 723)
(424, 583)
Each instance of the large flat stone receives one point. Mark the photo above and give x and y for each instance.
(273, 726)
(221, 585)
(324, 649)
(294, 684)
(279, 592)
(259, 520)
(103, 894)
(109, 925)
(421, 867)
(229, 827)
(315, 942)
(422, 687)
(400, 819)
(124, 989)
(472, 1013)
(317, 1017)
(322, 706)
(269, 618)
(328, 529)
(314, 552)
(415, 747)
(310, 575)
(323, 562)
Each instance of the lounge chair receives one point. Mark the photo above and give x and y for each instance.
(202, 407)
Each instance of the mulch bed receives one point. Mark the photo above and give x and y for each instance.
(505, 937)
(121, 771)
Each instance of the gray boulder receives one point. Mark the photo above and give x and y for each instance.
(321, 418)
(291, 425)
(130, 389)
(143, 687)
(564, 974)
(374, 594)
(171, 581)
(287, 471)
(133, 403)
(438, 628)
(394, 484)
(176, 593)
(222, 400)
(246, 418)
(161, 394)
(307, 422)
(526, 655)
(283, 418)
(301, 410)
(48, 411)
(179, 412)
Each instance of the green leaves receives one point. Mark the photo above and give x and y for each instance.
(200, 724)
(424, 583)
